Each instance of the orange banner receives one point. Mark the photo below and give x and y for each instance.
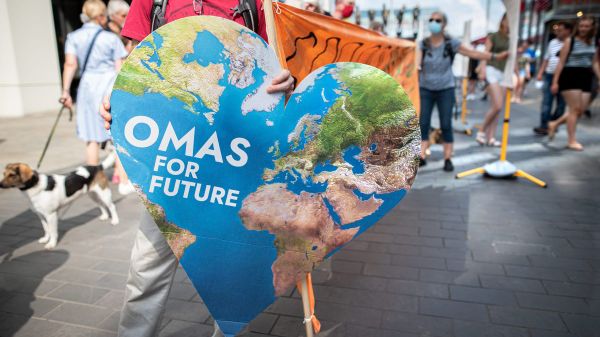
(308, 41)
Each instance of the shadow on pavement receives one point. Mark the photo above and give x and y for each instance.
(20, 284)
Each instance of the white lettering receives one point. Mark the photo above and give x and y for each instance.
(192, 169)
(199, 189)
(155, 182)
(177, 171)
(171, 137)
(141, 143)
(232, 195)
(175, 187)
(217, 195)
(211, 147)
(186, 190)
(160, 162)
(235, 147)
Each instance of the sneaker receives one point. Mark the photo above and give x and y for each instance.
(422, 162)
(540, 131)
(448, 166)
(126, 188)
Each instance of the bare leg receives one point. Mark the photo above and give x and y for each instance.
(574, 101)
(92, 153)
(490, 123)
(448, 148)
(424, 147)
(120, 171)
(572, 119)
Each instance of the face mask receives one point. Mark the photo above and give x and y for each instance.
(435, 28)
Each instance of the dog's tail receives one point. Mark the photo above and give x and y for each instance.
(109, 161)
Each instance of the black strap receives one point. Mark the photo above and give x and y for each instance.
(89, 52)
(159, 8)
(448, 50)
(249, 12)
(246, 8)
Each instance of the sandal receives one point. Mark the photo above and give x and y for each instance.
(494, 143)
(575, 147)
(552, 128)
(480, 138)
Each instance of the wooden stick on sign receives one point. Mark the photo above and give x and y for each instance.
(306, 307)
(271, 32)
(272, 35)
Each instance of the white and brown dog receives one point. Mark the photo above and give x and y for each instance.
(49, 193)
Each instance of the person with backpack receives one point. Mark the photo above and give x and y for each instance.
(153, 264)
(435, 56)
(98, 54)
(574, 78)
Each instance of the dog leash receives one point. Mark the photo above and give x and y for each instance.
(60, 112)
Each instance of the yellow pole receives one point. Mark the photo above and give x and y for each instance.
(505, 126)
(463, 115)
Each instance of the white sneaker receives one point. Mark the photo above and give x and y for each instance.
(126, 188)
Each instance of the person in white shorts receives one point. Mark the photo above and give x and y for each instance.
(493, 72)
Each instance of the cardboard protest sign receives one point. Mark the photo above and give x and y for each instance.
(251, 194)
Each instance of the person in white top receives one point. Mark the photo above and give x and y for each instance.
(562, 30)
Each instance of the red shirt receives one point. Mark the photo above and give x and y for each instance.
(137, 25)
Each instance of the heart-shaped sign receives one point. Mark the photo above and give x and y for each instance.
(251, 194)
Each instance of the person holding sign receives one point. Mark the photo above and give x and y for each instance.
(153, 264)
(435, 56)
(574, 76)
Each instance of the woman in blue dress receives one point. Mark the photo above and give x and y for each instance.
(98, 54)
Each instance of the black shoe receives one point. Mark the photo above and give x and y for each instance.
(422, 162)
(588, 113)
(448, 166)
(541, 131)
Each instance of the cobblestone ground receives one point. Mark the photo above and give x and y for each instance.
(464, 258)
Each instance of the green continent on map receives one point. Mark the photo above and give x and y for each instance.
(372, 112)
(157, 65)
(144, 71)
(178, 238)
(377, 112)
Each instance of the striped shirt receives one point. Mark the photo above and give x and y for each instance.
(552, 57)
(582, 55)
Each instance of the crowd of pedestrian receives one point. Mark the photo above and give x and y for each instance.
(568, 78)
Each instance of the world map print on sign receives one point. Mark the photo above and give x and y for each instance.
(249, 193)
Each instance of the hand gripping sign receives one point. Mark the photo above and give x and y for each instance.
(251, 194)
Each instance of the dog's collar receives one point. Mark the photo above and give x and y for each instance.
(35, 179)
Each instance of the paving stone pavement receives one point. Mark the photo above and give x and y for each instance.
(463, 258)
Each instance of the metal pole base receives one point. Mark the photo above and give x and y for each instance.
(502, 169)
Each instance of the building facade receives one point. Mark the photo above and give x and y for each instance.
(29, 65)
